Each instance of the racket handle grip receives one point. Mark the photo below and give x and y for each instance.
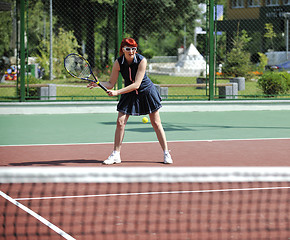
(99, 84)
(102, 87)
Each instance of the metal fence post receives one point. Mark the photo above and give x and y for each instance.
(211, 49)
(22, 51)
(50, 42)
(120, 35)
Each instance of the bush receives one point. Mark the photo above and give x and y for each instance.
(148, 53)
(274, 83)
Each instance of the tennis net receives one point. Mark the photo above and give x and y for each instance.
(145, 203)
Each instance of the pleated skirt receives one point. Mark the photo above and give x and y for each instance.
(141, 103)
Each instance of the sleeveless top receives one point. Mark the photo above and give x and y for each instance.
(128, 72)
(146, 99)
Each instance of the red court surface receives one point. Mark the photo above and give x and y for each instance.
(201, 215)
(260, 152)
(260, 212)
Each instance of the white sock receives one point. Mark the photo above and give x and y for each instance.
(116, 152)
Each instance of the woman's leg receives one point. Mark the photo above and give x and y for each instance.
(120, 130)
(157, 125)
(119, 135)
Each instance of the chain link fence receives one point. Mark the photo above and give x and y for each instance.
(253, 42)
(251, 47)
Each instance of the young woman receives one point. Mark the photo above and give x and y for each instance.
(138, 97)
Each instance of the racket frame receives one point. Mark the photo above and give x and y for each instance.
(86, 79)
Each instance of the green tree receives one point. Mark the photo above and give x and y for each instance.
(270, 33)
(63, 43)
(238, 61)
(263, 62)
(162, 22)
(94, 24)
(5, 32)
(93, 18)
(37, 27)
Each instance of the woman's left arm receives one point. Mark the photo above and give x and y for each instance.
(135, 85)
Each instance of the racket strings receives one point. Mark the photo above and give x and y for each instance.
(77, 66)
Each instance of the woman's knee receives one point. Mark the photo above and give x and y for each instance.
(155, 121)
(121, 122)
(156, 124)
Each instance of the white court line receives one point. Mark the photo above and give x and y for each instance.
(152, 193)
(142, 142)
(37, 216)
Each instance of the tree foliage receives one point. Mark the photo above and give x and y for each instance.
(63, 43)
(156, 25)
(270, 33)
(163, 21)
(238, 61)
(5, 32)
(91, 17)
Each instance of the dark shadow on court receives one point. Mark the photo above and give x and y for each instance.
(142, 127)
(181, 127)
(79, 161)
(198, 127)
(142, 161)
(140, 130)
(57, 162)
(128, 123)
(244, 126)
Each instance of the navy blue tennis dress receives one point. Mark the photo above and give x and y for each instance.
(146, 99)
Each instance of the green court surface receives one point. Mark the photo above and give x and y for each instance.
(181, 126)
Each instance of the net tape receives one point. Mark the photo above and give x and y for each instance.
(151, 174)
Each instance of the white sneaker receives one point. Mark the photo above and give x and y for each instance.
(167, 158)
(113, 158)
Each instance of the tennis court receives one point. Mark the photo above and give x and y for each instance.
(232, 138)
(229, 179)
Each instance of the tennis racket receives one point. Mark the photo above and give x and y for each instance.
(79, 67)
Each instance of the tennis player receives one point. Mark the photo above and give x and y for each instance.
(138, 97)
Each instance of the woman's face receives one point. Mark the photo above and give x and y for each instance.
(129, 52)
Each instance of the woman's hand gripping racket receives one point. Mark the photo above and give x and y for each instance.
(79, 67)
